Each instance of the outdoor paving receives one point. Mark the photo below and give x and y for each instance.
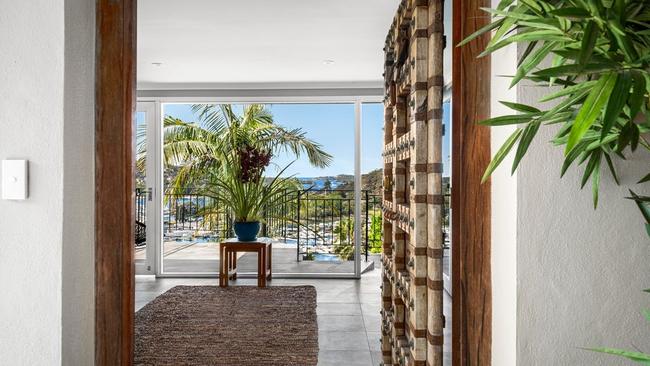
(180, 257)
(348, 313)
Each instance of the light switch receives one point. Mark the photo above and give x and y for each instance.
(15, 179)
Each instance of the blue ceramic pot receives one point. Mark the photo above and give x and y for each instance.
(247, 231)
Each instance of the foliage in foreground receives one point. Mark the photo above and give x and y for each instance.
(600, 54)
(600, 51)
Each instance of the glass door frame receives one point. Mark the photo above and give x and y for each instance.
(357, 101)
(153, 181)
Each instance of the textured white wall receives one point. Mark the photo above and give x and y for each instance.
(580, 272)
(41, 122)
(31, 125)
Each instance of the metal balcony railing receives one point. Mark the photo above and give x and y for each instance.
(312, 220)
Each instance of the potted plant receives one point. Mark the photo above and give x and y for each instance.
(240, 188)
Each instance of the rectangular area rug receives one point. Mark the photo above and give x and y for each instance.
(243, 325)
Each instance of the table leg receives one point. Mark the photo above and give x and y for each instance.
(261, 264)
(270, 255)
(222, 266)
(234, 265)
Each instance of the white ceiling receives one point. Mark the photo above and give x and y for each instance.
(213, 43)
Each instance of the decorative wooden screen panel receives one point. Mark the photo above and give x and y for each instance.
(412, 317)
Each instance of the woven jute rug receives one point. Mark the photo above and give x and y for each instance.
(244, 325)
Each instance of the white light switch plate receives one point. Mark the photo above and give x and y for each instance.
(14, 179)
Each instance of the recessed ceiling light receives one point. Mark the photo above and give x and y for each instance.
(328, 62)
(157, 64)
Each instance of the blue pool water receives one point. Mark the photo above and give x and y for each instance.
(324, 257)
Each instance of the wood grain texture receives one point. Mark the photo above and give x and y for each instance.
(471, 277)
(115, 53)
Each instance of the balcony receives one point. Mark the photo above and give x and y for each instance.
(312, 230)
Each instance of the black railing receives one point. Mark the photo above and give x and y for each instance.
(320, 223)
(140, 217)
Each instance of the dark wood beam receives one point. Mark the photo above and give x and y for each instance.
(115, 53)
(471, 277)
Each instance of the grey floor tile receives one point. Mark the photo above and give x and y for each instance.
(341, 323)
(337, 297)
(372, 323)
(343, 341)
(344, 358)
(370, 308)
(374, 341)
(376, 358)
(332, 308)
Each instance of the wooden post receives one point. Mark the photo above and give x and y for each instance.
(114, 195)
(470, 199)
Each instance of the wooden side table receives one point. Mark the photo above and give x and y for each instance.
(228, 259)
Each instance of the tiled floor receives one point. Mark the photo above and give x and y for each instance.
(348, 314)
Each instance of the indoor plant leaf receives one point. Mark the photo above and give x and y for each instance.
(590, 110)
(501, 154)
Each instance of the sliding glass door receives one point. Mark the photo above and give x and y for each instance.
(313, 225)
(147, 214)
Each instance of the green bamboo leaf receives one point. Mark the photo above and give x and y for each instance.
(542, 23)
(566, 105)
(616, 102)
(634, 356)
(532, 62)
(569, 12)
(595, 183)
(561, 117)
(638, 94)
(590, 36)
(526, 138)
(514, 119)
(595, 142)
(573, 70)
(591, 109)
(570, 90)
(481, 31)
(594, 161)
(501, 154)
(536, 35)
(520, 107)
(529, 48)
(612, 170)
(508, 23)
(558, 60)
(644, 179)
(643, 207)
(533, 5)
(622, 39)
(517, 13)
(504, 4)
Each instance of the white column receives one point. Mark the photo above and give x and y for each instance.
(357, 188)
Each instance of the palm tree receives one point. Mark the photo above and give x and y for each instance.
(197, 147)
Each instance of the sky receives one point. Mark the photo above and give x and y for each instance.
(331, 125)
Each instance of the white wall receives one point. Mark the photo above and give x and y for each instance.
(579, 272)
(36, 124)
(504, 220)
(78, 316)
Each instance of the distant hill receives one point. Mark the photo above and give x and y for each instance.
(372, 181)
